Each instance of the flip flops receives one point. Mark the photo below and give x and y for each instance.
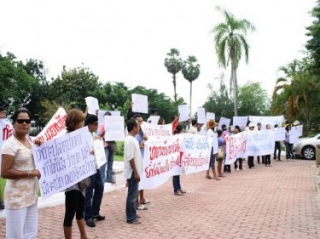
(142, 207)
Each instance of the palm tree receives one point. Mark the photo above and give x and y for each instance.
(191, 71)
(174, 65)
(230, 42)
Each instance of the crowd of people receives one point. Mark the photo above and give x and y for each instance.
(83, 202)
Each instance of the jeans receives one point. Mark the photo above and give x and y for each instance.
(107, 176)
(131, 199)
(289, 151)
(176, 183)
(277, 147)
(93, 199)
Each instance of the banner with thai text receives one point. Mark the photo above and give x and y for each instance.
(64, 161)
(114, 128)
(196, 153)
(161, 161)
(259, 142)
(235, 147)
(154, 131)
(55, 127)
(264, 120)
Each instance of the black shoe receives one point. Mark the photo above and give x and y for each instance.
(1, 206)
(99, 217)
(90, 223)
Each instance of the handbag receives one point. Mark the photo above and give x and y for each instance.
(220, 154)
(84, 183)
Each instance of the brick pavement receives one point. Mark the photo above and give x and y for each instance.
(276, 202)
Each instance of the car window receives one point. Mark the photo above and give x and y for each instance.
(318, 137)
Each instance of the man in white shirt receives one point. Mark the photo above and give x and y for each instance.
(193, 128)
(132, 169)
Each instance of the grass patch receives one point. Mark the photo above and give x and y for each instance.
(2, 185)
(118, 157)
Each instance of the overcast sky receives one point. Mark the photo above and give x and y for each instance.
(127, 40)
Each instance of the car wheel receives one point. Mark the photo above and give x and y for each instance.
(308, 152)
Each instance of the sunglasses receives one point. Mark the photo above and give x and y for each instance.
(21, 121)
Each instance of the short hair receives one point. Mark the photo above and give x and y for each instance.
(276, 126)
(91, 119)
(193, 122)
(137, 116)
(259, 123)
(178, 129)
(153, 111)
(161, 121)
(74, 117)
(107, 113)
(15, 115)
(219, 132)
(223, 127)
(131, 123)
(1, 108)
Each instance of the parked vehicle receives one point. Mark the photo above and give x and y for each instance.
(306, 147)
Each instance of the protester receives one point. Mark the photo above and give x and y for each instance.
(225, 134)
(177, 190)
(109, 149)
(153, 113)
(258, 157)
(210, 136)
(289, 146)
(189, 125)
(94, 192)
(161, 121)
(193, 128)
(220, 160)
(251, 158)
(174, 122)
(141, 138)
(199, 127)
(238, 160)
(132, 169)
(267, 158)
(21, 189)
(74, 203)
(277, 147)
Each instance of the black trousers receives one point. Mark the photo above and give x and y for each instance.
(277, 146)
(267, 160)
(240, 163)
(250, 161)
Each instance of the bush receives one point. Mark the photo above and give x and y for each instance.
(120, 148)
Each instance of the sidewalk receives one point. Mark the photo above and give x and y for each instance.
(264, 202)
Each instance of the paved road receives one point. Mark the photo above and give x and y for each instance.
(265, 202)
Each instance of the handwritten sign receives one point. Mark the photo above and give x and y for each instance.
(211, 116)
(184, 112)
(114, 127)
(102, 113)
(140, 103)
(241, 121)
(64, 161)
(259, 142)
(92, 104)
(55, 127)
(154, 131)
(223, 121)
(196, 153)
(264, 120)
(293, 135)
(161, 160)
(279, 134)
(235, 147)
(201, 115)
(99, 152)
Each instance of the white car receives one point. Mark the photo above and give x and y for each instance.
(306, 147)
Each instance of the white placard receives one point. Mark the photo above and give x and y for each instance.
(184, 112)
(259, 142)
(211, 116)
(293, 135)
(264, 120)
(56, 126)
(279, 134)
(154, 131)
(114, 128)
(154, 119)
(140, 103)
(196, 153)
(99, 152)
(64, 161)
(223, 121)
(201, 115)
(241, 121)
(92, 104)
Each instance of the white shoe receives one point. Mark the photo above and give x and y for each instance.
(238, 169)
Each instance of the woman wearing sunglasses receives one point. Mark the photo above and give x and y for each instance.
(21, 189)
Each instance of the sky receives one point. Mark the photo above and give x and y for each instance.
(127, 41)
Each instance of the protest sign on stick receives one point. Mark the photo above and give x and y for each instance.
(140, 103)
(184, 112)
(201, 115)
(92, 104)
(64, 161)
(114, 128)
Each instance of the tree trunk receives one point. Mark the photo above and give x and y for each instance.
(174, 88)
(235, 89)
(190, 99)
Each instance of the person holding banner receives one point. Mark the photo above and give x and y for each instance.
(277, 147)
(178, 191)
(193, 128)
(251, 158)
(94, 192)
(224, 135)
(236, 131)
(161, 121)
(220, 160)
(132, 169)
(289, 146)
(267, 158)
(21, 189)
(210, 136)
(74, 201)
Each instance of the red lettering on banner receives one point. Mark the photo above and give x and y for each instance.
(6, 132)
(237, 145)
(54, 129)
(165, 150)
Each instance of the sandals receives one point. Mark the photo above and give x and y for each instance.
(216, 178)
(142, 207)
(136, 221)
(178, 193)
(145, 201)
(208, 177)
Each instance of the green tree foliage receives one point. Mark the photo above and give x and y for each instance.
(230, 42)
(16, 83)
(191, 71)
(253, 100)
(313, 44)
(173, 65)
(219, 101)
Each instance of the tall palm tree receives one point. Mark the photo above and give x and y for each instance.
(230, 42)
(173, 65)
(191, 71)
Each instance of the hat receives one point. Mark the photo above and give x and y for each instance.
(259, 123)
(211, 124)
(296, 122)
(251, 125)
